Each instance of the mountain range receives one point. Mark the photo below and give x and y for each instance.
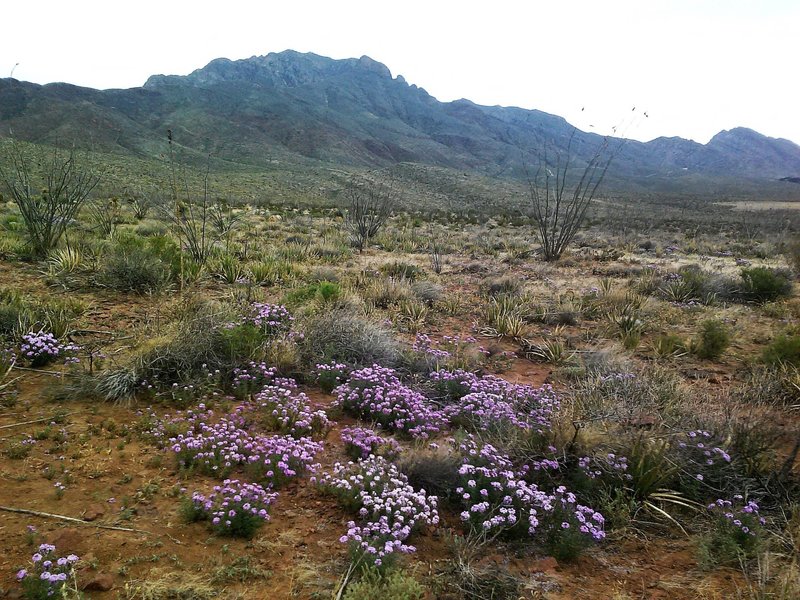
(304, 109)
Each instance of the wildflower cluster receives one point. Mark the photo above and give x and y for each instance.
(7, 359)
(216, 449)
(498, 500)
(48, 574)
(595, 466)
(330, 375)
(451, 352)
(736, 534)
(271, 319)
(251, 378)
(481, 401)
(389, 509)
(702, 457)
(41, 348)
(234, 508)
(742, 519)
(279, 458)
(360, 442)
(376, 393)
(281, 408)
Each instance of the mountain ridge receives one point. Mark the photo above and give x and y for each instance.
(352, 112)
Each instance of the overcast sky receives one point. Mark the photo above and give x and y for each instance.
(694, 66)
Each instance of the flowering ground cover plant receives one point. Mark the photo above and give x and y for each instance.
(389, 509)
(250, 379)
(281, 408)
(737, 531)
(234, 508)
(330, 375)
(497, 500)
(376, 393)
(48, 574)
(41, 348)
(361, 442)
(476, 402)
(275, 460)
(271, 319)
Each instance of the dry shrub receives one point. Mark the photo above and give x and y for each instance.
(170, 585)
(345, 336)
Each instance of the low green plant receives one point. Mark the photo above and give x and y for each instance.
(783, 350)
(712, 340)
(394, 585)
(736, 534)
(228, 268)
(141, 265)
(668, 345)
(762, 284)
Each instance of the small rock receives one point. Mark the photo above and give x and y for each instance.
(102, 582)
(68, 540)
(548, 564)
(93, 512)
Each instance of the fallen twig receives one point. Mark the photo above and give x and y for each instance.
(41, 371)
(34, 421)
(36, 513)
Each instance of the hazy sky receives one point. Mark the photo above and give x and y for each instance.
(695, 66)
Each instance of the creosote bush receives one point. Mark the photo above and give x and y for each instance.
(762, 284)
(712, 340)
(783, 350)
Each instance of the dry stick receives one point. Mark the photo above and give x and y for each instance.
(40, 371)
(36, 513)
(34, 421)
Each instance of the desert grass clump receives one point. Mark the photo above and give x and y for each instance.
(770, 385)
(140, 265)
(346, 337)
(629, 396)
(402, 270)
(170, 585)
(427, 291)
(383, 293)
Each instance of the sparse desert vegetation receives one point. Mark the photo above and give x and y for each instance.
(251, 400)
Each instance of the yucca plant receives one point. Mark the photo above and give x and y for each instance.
(553, 351)
(228, 268)
(668, 346)
(65, 260)
(652, 473)
(505, 316)
(413, 315)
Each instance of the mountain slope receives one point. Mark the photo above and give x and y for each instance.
(300, 108)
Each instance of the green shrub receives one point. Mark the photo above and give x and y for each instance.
(784, 349)
(322, 292)
(395, 585)
(762, 284)
(712, 340)
(140, 265)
